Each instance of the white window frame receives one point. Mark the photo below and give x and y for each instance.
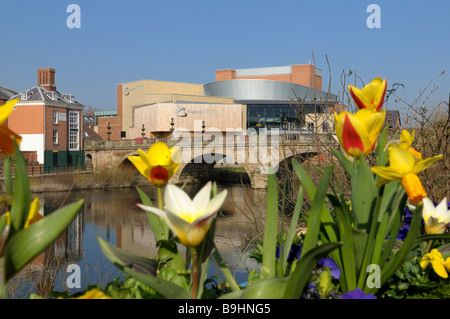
(55, 137)
(74, 131)
(55, 117)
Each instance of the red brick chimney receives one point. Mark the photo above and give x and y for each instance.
(46, 79)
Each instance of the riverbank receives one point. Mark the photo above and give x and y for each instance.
(82, 180)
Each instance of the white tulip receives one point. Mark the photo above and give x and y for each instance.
(188, 219)
(436, 218)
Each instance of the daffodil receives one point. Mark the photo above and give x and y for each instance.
(159, 164)
(357, 133)
(189, 219)
(371, 96)
(436, 218)
(405, 166)
(436, 260)
(33, 214)
(405, 142)
(6, 135)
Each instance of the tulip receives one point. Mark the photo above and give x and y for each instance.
(371, 96)
(189, 219)
(6, 135)
(405, 166)
(357, 133)
(436, 218)
(33, 214)
(159, 164)
(436, 260)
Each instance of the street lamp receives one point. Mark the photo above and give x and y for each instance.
(203, 127)
(171, 125)
(258, 124)
(108, 127)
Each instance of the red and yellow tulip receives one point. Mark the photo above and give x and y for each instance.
(159, 164)
(404, 165)
(358, 133)
(6, 135)
(371, 96)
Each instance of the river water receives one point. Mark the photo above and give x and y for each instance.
(112, 214)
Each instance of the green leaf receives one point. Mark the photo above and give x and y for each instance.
(27, 244)
(312, 235)
(273, 288)
(142, 269)
(382, 155)
(293, 225)
(327, 220)
(345, 162)
(268, 267)
(343, 220)
(409, 243)
(304, 268)
(364, 193)
(22, 197)
(160, 230)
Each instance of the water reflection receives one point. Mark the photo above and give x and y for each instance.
(112, 214)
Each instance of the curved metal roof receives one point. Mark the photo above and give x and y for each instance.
(265, 90)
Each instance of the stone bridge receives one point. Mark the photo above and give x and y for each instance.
(254, 153)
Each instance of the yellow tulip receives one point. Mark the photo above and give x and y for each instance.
(405, 166)
(6, 135)
(33, 214)
(436, 260)
(189, 219)
(159, 164)
(358, 133)
(436, 218)
(371, 96)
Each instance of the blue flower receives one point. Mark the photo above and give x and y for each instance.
(335, 271)
(357, 294)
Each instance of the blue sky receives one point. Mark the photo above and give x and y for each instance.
(187, 41)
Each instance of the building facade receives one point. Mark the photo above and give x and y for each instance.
(287, 98)
(50, 124)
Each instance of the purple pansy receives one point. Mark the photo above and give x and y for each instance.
(357, 294)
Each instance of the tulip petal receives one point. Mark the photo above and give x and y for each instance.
(7, 140)
(202, 198)
(6, 109)
(358, 96)
(178, 202)
(428, 209)
(140, 165)
(215, 203)
(159, 154)
(353, 135)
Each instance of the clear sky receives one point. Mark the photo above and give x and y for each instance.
(187, 41)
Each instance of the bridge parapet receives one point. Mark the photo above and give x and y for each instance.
(244, 140)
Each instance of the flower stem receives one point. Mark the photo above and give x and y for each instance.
(427, 250)
(160, 198)
(194, 272)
